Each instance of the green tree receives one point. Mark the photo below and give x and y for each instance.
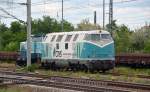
(12, 46)
(147, 47)
(11, 37)
(67, 26)
(138, 40)
(6, 37)
(3, 28)
(122, 39)
(85, 25)
(121, 35)
(48, 25)
(15, 26)
(112, 27)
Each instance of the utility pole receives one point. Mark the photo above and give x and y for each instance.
(62, 21)
(95, 18)
(28, 33)
(103, 14)
(110, 15)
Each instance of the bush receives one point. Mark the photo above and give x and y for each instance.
(32, 67)
(147, 47)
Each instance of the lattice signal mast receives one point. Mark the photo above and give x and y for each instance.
(110, 14)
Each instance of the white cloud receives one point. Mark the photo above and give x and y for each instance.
(132, 16)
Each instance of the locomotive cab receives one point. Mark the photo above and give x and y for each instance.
(98, 49)
(35, 51)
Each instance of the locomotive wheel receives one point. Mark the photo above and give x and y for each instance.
(78, 66)
(91, 70)
(104, 70)
(85, 68)
(53, 65)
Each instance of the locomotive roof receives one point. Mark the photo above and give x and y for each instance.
(81, 32)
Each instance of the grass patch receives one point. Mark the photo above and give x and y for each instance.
(131, 71)
(97, 76)
(7, 65)
(12, 89)
(8, 61)
(30, 68)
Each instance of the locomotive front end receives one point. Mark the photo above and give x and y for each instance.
(98, 49)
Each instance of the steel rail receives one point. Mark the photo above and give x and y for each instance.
(46, 76)
(64, 85)
(102, 82)
(84, 81)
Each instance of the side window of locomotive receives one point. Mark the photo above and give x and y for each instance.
(105, 36)
(75, 37)
(66, 46)
(53, 38)
(57, 46)
(68, 38)
(59, 38)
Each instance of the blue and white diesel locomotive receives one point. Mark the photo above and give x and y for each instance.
(77, 50)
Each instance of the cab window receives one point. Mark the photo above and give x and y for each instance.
(95, 37)
(92, 37)
(105, 36)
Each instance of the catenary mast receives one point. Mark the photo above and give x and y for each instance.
(28, 33)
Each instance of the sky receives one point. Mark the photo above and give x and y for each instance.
(132, 13)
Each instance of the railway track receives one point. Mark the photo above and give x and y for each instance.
(50, 83)
(100, 82)
(77, 83)
(9, 70)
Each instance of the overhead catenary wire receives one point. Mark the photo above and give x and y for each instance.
(77, 7)
(116, 3)
(74, 8)
(3, 10)
(2, 16)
